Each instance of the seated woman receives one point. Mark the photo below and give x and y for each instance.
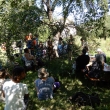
(29, 59)
(44, 85)
(96, 68)
(101, 55)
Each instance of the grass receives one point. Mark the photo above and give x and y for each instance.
(70, 84)
(60, 69)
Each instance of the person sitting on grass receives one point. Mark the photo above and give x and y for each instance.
(14, 91)
(97, 67)
(44, 85)
(30, 60)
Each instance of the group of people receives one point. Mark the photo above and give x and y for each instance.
(91, 66)
(15, 93)
(53, 47)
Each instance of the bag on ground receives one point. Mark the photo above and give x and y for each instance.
(83, 99)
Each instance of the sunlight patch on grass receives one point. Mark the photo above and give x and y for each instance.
(66, 61)
(78, 82)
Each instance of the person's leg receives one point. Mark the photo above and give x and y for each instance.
(69, 55)
(56, 53)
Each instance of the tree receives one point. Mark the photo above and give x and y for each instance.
(21, 16)
(76, 6)
(17, 20)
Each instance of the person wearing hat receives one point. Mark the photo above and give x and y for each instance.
(44, 85)
(100, 55)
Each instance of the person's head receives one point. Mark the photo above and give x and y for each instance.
(41, 45)
(2, 73)
(99, 51)
(18, 73)
(86, 47)
(26, 50)
(42, 73)
(84, 51)
(30, 34)
(60, 39)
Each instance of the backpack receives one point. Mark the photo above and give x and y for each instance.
(83, 99)
(57, 85)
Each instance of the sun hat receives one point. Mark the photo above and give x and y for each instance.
(99, 50)
(42, 73)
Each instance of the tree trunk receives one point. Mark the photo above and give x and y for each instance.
(50, 15)
(8, 49)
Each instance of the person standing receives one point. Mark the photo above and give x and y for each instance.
(70, 47)
(49, 48)
(55, 48)
(29, 42)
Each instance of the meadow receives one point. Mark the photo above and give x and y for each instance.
(70, 84)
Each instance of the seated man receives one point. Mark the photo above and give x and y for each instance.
(82, 61)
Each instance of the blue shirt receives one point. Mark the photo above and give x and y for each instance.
(45, 88)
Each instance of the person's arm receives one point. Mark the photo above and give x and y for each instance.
(89, 64)
(53, 81)
(102, 65)
(88, 60)
(36, 88)
(26, 94)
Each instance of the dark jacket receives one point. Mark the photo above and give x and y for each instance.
(82, 61)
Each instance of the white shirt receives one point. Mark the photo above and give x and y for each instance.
(55, 45)
(14, 95)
